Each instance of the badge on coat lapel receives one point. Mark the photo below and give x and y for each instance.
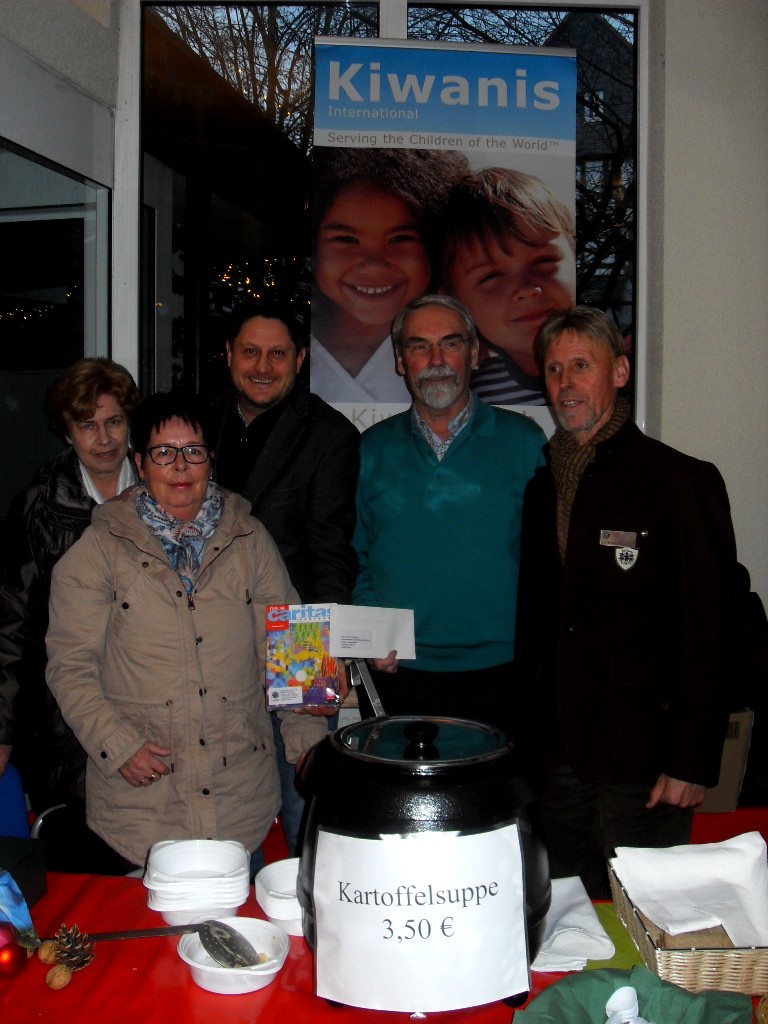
(626, 557)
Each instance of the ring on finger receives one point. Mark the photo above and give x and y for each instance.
(153, 776)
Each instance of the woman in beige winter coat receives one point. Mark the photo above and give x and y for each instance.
(156, 650)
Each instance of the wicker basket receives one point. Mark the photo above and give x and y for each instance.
(728, 969)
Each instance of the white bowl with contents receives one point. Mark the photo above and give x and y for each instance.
(266, 938)
(275, 887)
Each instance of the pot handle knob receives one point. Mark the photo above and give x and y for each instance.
(421, 735)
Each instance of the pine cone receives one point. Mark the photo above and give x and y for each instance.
(74, 949)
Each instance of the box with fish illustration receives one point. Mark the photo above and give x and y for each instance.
(300, 669)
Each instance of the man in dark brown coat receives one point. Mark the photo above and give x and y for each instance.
(626, 585)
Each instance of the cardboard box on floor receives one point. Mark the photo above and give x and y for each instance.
(725, 795)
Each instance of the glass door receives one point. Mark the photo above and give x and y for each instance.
(54, 298)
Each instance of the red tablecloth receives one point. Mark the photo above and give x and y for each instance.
(144, 981)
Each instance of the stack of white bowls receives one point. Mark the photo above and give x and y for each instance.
(192, 880)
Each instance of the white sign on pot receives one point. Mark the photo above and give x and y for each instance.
(421, 922)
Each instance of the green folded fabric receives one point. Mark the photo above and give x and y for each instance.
(581, 999)
(626, 956)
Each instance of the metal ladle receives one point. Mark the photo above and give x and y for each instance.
(225, 944)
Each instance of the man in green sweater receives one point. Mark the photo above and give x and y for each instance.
(439, 504)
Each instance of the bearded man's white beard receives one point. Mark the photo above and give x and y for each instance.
(437, 390)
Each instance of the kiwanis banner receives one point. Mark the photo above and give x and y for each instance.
(446, 167)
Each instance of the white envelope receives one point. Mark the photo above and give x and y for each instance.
(358, 631)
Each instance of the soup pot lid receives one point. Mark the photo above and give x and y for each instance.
(404, 740)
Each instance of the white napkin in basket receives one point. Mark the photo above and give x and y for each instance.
(686, 888)
(572, 932)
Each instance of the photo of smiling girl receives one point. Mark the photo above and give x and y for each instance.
(375, 215)
(509, 256)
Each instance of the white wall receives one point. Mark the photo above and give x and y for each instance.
(58, 82)
(77, 39)
(53, 119)
(708, 281)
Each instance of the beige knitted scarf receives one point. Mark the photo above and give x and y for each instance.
(569, 459)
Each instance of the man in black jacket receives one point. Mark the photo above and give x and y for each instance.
(624, 610)
(296, 460)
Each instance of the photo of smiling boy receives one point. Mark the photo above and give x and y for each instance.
(375, 214)
(509, 256)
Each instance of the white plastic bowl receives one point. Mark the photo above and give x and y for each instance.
(275, 887)
(187, 895)
(196, 858)
(194, 915)
(159, 880)
(265, 938)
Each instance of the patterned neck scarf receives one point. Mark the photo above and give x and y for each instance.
(182, 542)
(569, 459)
